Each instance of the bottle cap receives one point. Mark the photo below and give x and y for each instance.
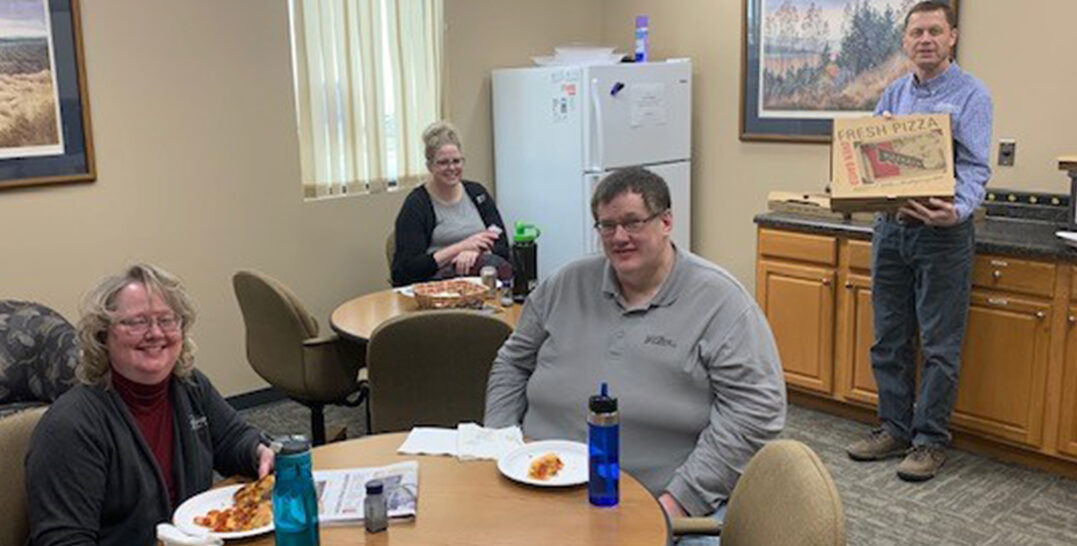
(294, 444)
(602, 402)
(525, 233)
(374, 487)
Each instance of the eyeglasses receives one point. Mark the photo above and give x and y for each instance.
(631, 225)
(138, 326)
(449, 162)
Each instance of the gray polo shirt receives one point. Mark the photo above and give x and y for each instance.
(696, 371)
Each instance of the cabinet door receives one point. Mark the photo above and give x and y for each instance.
(1001, 386)
(799, 303)
(854, 338)
(1067, 428)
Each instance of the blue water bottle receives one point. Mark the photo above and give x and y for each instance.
(603, 448)
(643, 45)
(295, 504)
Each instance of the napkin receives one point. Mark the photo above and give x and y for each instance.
(429, 441)
(475, 442)
(171, 535)
(468, 441)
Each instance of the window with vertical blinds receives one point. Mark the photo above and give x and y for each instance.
(368, 77)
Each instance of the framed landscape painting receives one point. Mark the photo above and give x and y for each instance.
(807, 62)
(45, 118)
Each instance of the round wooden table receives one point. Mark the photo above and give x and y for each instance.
(471, 503)
(357, 318)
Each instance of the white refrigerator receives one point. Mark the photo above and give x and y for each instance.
(558, 130)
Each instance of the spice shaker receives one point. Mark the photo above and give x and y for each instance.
(375, 509)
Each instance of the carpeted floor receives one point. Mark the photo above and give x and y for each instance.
(975, 501)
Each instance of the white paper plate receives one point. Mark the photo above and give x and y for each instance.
(201, 503)
(515, 464)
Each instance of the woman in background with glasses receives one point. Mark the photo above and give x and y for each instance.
(439, 233)
(144, 430)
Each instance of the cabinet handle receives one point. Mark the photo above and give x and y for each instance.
(999, 263)
(826, 281)
(848, 284)
(1071, 319)
(998, 301)
(1041, 315)
(996, 274)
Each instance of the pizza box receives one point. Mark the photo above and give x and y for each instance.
(879, 163)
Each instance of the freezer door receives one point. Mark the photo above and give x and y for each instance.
(637, 114)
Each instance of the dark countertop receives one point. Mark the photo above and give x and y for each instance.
(994, 235)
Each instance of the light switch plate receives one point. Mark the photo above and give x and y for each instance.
(1007, 149)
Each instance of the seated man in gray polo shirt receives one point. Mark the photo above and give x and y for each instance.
(681, 343)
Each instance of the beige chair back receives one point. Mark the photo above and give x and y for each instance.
(15, 431)
(430, 368)
(277, 324)
(785, 496)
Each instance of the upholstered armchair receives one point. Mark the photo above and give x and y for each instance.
(285, 348)
(38, 354)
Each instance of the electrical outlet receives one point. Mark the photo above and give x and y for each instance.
(1007, 149)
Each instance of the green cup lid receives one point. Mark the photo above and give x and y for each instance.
(525, 232)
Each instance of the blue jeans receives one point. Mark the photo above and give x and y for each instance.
(920, 282)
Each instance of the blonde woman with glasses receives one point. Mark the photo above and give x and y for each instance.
(439, 233)
(144, 430)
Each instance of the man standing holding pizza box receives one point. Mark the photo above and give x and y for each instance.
(922, 257)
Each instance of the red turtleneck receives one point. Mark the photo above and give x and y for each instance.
(151, 406)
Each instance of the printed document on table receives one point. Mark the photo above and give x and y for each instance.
(341, 492)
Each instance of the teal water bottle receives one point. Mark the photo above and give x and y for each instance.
(295, 503)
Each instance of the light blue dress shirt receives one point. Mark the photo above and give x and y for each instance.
(968, 102)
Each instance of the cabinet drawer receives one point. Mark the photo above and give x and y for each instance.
(859, 254)
(819, 249)
(1015, 275)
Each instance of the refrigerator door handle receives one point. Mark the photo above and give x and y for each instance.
(599, 138)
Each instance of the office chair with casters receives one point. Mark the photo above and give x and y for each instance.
(785, 496)
(430, 368)
(15, 432)
(284, 348)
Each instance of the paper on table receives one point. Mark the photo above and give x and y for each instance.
(468, 441)
(475, 442)
(429, 441)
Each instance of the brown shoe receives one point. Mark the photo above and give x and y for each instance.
(921, 463)
(877, 446)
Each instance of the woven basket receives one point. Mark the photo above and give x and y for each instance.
(453, 293)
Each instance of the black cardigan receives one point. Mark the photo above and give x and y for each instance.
(415, 227)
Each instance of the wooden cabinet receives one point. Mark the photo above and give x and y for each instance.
(799, 303)
(795, 287)
(1002, 383)
(1017, 387)
(1067, 428)
(855, 334)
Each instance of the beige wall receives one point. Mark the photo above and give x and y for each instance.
(482, 35)
(198, 172)
(1015, 52)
